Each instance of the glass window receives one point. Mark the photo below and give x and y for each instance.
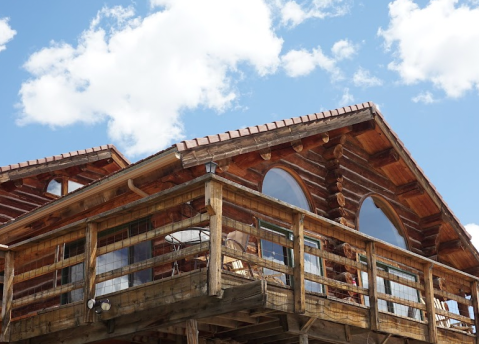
(281, 255)
(72, 186)
(111, 261)
(379, 221)
(394, 289)
(281, 185)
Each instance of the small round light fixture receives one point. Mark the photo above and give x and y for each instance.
(99, 306)
(91, 303)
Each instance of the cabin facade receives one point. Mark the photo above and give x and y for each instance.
(315, 229)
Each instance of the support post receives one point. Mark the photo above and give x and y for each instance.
(475, 306)
(89, 270)
(192, 331)
(429, 298)
(298, 269)
(303, 339)
(372, 286)
(7, 299)
(213, 200)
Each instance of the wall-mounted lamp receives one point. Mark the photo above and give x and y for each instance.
(99, 306)
(211, 167)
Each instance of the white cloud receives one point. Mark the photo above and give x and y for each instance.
(293, 14)
(363, 78)
(437, 43)
(138, 74)
(343, 49)
(473, 229)
(346, 99)
(424, 97)
(6, 33)
(301, 62)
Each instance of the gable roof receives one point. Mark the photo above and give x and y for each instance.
(23, 185)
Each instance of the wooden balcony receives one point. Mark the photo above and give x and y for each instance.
(367, 291)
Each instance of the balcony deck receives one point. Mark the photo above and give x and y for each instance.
(247, 305)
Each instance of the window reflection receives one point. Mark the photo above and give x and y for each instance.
(376, 220)
(281, 185)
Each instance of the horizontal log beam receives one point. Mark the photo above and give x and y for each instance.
(384, 158)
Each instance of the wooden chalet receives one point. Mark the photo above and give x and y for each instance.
(314, 229)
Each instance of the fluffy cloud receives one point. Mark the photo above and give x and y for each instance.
(293, 14)
(138, 74)
(343, 49)
(473, 229)
(424, 97)
(363, 78)
(6, 33)
(301, 62)
(436, 43)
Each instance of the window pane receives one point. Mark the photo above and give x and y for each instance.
(140, 252)
(280, 184)
(312, 265)
(374, 222)
(406, 293)
(72, 186)
(108, 262)
(275, 253)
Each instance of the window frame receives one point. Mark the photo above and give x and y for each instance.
(66, 274)
(388, 289)
(288, 254)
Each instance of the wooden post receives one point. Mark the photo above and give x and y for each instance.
(303, 339)
(7, 296)
(89, 270)
(373, 287)
(429, 299)
(192, 331)
(298, 269)
(213, 201)
(475, 306)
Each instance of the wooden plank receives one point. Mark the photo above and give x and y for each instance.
(154, 233)
(49, 268)
(372, 285)
(89, 268)
(451, 296)
(429, 299)
(7, 299)
(46, 294)
(255, 260)
(475, 304)
(303, 339)
(298, 269)
(152, 262)
(214, 200)
(336, 284)
(401, 301)
(455, 316)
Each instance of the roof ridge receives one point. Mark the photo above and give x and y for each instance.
(255, 129)
(28, 163)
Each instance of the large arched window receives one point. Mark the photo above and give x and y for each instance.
(281, 185)
(377, 219)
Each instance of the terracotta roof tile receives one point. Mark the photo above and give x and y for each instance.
(189, 144)
(49, 159)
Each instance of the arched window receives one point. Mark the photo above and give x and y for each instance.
(281, 185)
(377, 219)
(60, 186)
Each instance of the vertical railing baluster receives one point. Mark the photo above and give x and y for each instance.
(373, 287)
(429, 298)
(298, 269)
(214, 202)
(91, 238)
(7, 299)
(475, 306)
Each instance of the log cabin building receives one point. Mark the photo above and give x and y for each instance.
(314, 229)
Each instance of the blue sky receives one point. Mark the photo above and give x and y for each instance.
(143, 75)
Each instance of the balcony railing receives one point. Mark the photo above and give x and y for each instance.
(313, 266)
